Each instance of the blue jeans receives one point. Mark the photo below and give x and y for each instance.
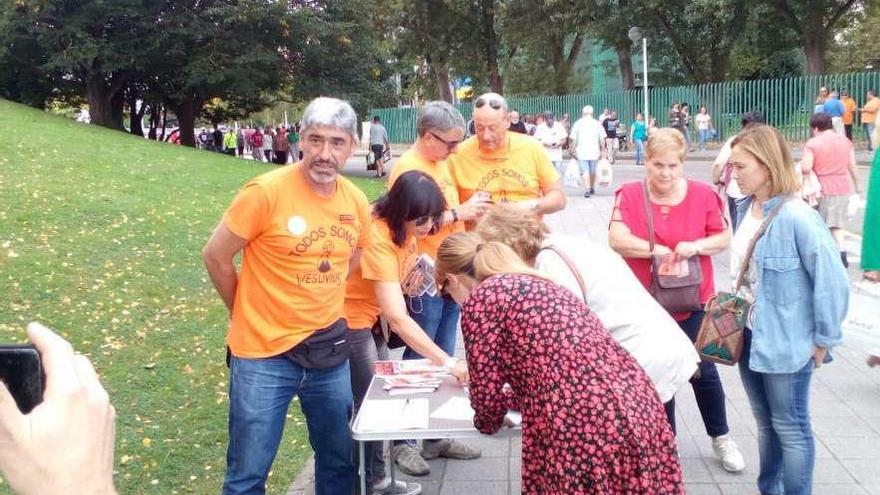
(365, 349)
(707, 387)
(781, 406)
(640, 152)
(704, 136)
(587, 165)
(438, 317)
(869, 129)
(260, 391)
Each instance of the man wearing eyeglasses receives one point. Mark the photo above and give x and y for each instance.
(300, 229)
(508, 166)
(440, 128)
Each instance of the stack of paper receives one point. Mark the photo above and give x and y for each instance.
(408, 367)
(411, 382)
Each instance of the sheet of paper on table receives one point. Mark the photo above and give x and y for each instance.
(411, 390)
(394, 414)
(456, 408)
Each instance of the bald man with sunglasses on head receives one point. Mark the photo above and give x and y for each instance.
(509, 167)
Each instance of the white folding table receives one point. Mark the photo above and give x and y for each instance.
(437, 428)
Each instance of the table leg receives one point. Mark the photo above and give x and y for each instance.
(362, 470)
(392, 462)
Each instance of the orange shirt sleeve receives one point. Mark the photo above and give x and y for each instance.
(366, 219)
(379, 262)
(246, 217)
(547, 174)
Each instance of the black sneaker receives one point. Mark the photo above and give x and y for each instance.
(843, 259)
(592, 191)
(587, 194)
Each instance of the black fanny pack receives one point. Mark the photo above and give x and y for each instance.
(326, 348)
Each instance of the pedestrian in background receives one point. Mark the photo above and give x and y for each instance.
(268, 138)
(230, 142)
(704, 126)
(240, 141)
(870, 112)
(639, 133)
(552, 135)
(834, 108)
(587, 136)
(849, 109)
(280, 146)
(832, 158)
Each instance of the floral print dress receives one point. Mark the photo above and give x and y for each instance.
(592, 422)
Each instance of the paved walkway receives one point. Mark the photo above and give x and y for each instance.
(845, 409)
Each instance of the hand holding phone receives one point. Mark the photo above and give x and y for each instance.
(64, 444)
(22, 373)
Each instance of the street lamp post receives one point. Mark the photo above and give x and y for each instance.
(636, 34)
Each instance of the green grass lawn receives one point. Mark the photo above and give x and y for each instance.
(100, 238)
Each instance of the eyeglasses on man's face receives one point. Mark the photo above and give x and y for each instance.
(494, 103)
(450, 145)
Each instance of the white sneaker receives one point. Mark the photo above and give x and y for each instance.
(385, 487)
(726, 450)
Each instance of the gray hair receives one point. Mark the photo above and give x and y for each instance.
(330, 112)
(588, 110)
(439, 116)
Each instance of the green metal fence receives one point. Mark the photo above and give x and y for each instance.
(786, 102)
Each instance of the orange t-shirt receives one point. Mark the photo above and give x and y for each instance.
(849, 107)
(517, 172)
(869, 113)
(294, 266)
(439, 171)
(382, 261)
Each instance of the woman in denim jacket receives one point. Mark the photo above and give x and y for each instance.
(800, 292)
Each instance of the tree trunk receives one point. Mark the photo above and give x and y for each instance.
(154, 121)
(99, 102)
(186, 116)
(814, 50)
(165, 123)
(490, 40)
(563, 64)
(135, 115)
(441, 75)
(624, 61)
(117, 110)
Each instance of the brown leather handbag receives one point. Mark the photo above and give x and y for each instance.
(675, 292)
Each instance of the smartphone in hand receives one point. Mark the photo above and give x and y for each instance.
(22, 372)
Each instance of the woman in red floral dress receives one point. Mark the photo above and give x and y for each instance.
(592, 422)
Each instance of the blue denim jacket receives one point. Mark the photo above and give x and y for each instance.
(802, 290)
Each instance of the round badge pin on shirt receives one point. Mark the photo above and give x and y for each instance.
(296, 225)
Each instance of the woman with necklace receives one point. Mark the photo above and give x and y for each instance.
(799, 291)
(687, 221)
